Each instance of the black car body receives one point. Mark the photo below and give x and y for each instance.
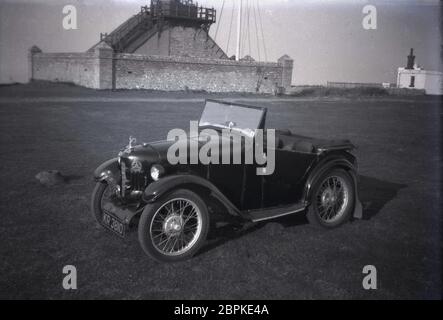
(308, 176)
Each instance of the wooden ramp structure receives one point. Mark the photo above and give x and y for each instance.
(155, 21)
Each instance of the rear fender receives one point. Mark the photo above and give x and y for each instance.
(160, 188)
(328, 164)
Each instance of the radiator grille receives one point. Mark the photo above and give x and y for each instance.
(137, 181)
(132, 181)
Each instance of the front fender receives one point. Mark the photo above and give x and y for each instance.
(350, 165)
(157, 189)
(108, 171)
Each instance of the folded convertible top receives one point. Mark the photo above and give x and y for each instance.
(285, 140)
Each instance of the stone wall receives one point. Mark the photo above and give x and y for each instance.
(103, 69)
(78, 68)
(212, 75)
(184, 41)
(194, 42)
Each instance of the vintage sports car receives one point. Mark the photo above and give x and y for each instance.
(171, 203)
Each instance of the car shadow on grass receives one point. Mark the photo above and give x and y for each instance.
(222, 231)
(374, 194)
(72, 178)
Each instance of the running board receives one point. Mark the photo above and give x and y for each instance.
(275, 212)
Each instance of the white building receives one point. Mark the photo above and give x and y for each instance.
(414, 77)
(431, 81)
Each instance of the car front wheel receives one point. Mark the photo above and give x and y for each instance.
(332, 199)
(174, 228)
(100, 195)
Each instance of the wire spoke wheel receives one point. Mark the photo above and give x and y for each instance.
(332, 198)
(101, 196)
(106, 197)
(175, 227)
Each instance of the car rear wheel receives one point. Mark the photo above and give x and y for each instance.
(332, 199)
(174, 228)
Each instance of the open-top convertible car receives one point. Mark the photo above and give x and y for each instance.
(166, 187)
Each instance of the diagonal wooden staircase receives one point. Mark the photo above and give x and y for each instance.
(137, 29)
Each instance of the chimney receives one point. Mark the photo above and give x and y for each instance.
(411, 60)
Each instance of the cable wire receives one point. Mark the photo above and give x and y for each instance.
(256, 30)
(249, 27)
(262, 33)
(230, 28)
(219, 20)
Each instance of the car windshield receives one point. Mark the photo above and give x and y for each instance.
(230, 116)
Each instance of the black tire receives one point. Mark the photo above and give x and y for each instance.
(97, 195)
(146, 229)
(315, 211)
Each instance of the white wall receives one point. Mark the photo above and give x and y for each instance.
(431, 81)
(434, 84)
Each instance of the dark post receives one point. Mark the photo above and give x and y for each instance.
(411, 59)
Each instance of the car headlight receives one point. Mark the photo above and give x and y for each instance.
(157, 171)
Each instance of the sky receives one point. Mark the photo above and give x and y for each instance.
(325, 38)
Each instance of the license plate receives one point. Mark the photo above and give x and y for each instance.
(113, 224)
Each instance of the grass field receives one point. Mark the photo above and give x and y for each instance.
(73, 130)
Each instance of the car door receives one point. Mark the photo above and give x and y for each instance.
(228, 177)
(284, 185)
